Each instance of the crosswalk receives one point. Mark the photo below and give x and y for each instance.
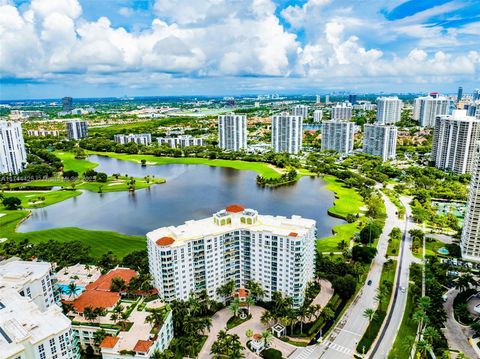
(329, 345)
(316, 351)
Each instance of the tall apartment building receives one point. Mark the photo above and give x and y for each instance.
(287, 133)
(33, 280)
(389, 110)
(317, 116)
(140, 139)
(67, 104)
(476, 95)
(380, 140)
(300, 110)
(454, 139)
(318, 99)
(338, 136)
(13, 157)
(470, 241)
(352, 99)
(427, 108)
(234, 244)
(77, 129)
(232, 132)
(341, 111)
(181, 141)
(459, 94)
(28, 332)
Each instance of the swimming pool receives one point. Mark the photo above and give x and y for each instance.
(443, 251)
(66, 291)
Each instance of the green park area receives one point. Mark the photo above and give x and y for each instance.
(347, 201)
(39, 199)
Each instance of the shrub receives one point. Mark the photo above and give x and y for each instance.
(272, 354)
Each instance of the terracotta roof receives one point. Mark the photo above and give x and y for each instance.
(143, 346)
(235, 208)
(165, 241)
(293, 234)
(95, 299)
(105, 281)
(109, 342)
(242, 293)
(257, 336)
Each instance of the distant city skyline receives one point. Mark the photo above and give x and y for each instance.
(84, 48)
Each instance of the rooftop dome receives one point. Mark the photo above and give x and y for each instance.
(235, 208)
(165, 241)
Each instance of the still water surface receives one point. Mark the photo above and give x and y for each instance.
(191, 192)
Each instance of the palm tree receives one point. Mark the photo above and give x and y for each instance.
(267, 337)
(99, 335)
(255, 289)
(327, 313)
(114, 317)
(424, 347)
(72, 289)
(249, 333)
(420, 317)
(234, 306)
(89, 313)
(155, 317)
(303, 313)
(370, 314)
(430, 334)
(250, 302)
(266, 318)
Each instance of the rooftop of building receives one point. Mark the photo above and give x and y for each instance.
(22, 320)
(460, 115)
(19, 272)
(295, 226)
(139, 337)
(98, 295)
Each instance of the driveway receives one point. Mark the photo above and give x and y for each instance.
(219, 322)
(326, 293)
(457, 335)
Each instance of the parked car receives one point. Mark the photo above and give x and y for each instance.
(369, 282)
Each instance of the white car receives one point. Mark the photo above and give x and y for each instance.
(403, 289)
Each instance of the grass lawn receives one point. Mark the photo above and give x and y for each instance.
(72, 164)
(431, 247)
(393, 248)
(34, 199)
(388, 276)
(347, 201)
(100, 241)
(236, 320)
(408, 328)
(261, 168)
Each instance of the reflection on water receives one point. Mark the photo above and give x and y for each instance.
(191, 192)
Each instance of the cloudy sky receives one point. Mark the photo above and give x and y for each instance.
(94, 48)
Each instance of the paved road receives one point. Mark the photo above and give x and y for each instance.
(457, 335)
(394, 317)
(342, 341)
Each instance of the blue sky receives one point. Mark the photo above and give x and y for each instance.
(91, 48)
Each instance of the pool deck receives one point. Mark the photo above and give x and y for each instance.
(79, 274)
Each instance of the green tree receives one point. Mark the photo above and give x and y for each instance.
(12, 203)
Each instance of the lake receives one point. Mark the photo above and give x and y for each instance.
(191, 192)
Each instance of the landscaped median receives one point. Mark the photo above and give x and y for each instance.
(378, 316)
(347, 202)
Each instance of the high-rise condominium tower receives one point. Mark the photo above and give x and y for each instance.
(389, 110)
(338, 136)
(235, 244)
(341, 111)
(67, 104)
(287, 133)
(13, 157)
(380, 140)
(77, 129)
(427, 109)
(300, 110)
(460, 93)
(317, 116)
(454, 139)
(232, 132)
(470, 242)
